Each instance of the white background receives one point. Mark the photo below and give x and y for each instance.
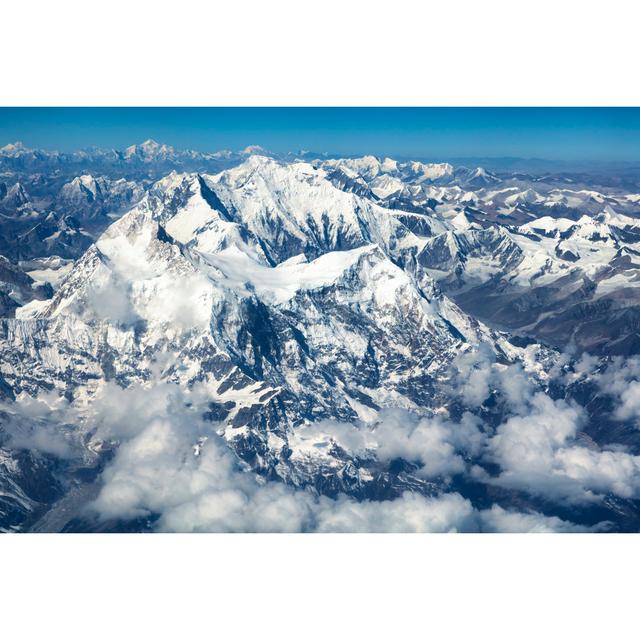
(319, 53)
(327, 52)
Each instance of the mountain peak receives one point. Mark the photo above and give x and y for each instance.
(13, 148)
(17, 194)
(148, 150)
(254, 149)
(152, 145)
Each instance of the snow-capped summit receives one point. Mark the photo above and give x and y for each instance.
(13, 149)
(429, 172)
(367, 167)
(527, 196)
(611, 217)
(479, 177)
(548, 226)
(370, 168)
(16, 196)
(274, 211)
(148, 151)
(90, 193)
(410, 186)
(83, 187)
(389, 165)
(254, 149)
(294, 208)
(462, 222)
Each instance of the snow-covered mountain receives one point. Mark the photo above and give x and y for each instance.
(15, 197)
(17, 288)
(144, 159)
(571, 283)
(351, 329)
(86, 189)
(552, 262)
(301, 303)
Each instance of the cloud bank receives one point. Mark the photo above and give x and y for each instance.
(171, 464)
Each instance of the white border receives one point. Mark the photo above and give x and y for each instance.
(319, 586)
(333, 52)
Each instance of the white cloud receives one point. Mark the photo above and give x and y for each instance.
(182, 301)
(629, 399)
(110, 299)
(537, 447)
(619, 379)
(499, 520)
(412, 512)
(477, 375)
(435, 443)
(156, 470)
(38, 424)
(171, 463)
(473, 376)
(538, 453)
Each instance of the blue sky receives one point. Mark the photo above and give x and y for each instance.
(569, 133)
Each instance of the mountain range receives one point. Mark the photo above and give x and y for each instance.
(365, 343)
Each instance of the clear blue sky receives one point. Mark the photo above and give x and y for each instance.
(552, 133)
